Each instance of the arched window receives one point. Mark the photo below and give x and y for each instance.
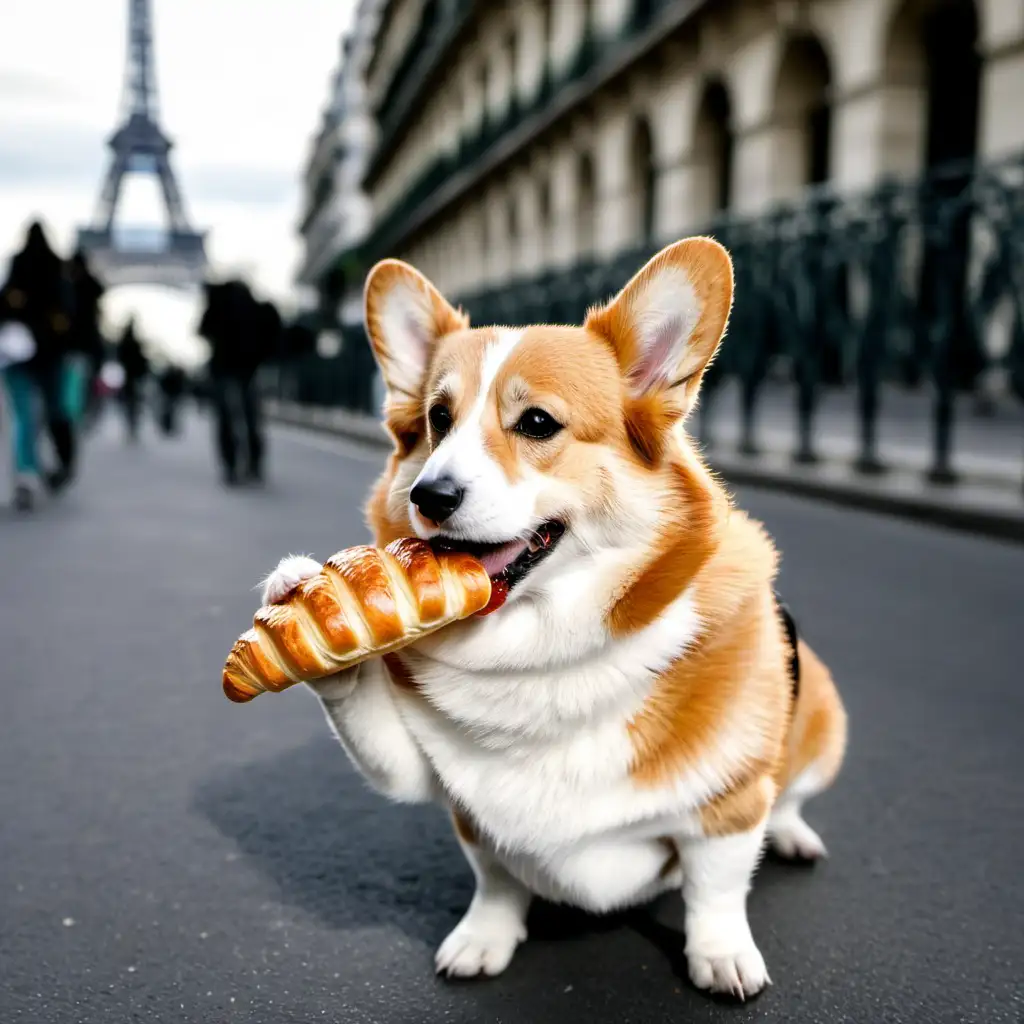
(803, 116)
(713, 153)
(931, 56)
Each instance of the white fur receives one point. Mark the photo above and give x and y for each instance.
(790, 836)
(666, 312)
(720, 950)
(485, 939)
(290, 572)
(407, 326)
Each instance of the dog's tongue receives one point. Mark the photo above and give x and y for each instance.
(498, 560)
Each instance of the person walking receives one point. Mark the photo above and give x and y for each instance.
(135, 366)
(241, 333)
(38, 295)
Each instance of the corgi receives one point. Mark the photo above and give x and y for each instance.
(624, 722)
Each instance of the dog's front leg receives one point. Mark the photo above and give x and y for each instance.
(720, 949)
(495, 923)
(361, 709)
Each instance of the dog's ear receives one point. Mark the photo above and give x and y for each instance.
(405, 317)
(666, 324)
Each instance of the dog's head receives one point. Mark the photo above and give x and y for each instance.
(543, 448)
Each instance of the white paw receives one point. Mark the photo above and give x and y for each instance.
(480, 944)
(791, 837)
(741, 974)
(290, 572)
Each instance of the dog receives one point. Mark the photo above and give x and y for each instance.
(638, 716)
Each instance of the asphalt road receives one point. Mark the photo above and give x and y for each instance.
(167, 856)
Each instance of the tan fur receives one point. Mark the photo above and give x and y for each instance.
(740, 808)
(709, 270)
(738, 662)
(694, 513)
(444, 318)
(817, 735)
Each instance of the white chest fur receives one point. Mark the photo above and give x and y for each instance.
(540, 757)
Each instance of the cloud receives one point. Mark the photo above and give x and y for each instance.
(238, 183)
(241, 87)
(22, 84)
(45, 152)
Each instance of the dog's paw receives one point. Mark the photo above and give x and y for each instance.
(793, 839)
(290, 572)
(480, 944)
(741, 974)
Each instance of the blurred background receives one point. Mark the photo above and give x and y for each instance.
(861, 159)
(191, 195)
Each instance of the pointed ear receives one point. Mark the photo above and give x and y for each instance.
(405, 317)
(666, 324)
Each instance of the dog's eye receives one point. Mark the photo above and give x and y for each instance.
(537, 424)
(440, 418)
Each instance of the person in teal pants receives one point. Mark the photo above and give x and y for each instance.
(21, 393)
(37, 295)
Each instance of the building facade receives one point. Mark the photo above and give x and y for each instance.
(527, 154)
(336, 211)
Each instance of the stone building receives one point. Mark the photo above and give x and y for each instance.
(517, 140)
(336, 211)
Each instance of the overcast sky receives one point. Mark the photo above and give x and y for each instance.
(241, 86)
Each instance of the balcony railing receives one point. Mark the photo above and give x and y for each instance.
(597, 59)
(903, 286)
(440, 25)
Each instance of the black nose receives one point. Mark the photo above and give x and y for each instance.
(438, 499)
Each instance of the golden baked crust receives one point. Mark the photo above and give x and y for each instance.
(365, 602)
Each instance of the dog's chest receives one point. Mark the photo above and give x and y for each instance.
(542, 759)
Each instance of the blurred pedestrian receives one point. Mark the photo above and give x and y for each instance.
(17, 346)
(86, 344)
(172, 389)
(38, 295)
(242, 334)
(136, 367)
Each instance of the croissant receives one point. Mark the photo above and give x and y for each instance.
(365, 602)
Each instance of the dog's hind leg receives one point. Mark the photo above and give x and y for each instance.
(817, 743)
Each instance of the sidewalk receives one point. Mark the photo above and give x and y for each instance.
(988, 498)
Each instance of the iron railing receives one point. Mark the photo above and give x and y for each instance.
(918, 283)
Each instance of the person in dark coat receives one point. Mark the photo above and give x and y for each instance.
(136, 366)
(243, 334)
(38, 294)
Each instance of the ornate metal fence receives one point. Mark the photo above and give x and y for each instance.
(920, 283)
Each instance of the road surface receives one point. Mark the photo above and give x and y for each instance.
(167, 856)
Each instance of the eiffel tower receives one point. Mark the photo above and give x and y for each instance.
(140, 146)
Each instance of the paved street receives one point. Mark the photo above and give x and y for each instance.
(167, 856)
